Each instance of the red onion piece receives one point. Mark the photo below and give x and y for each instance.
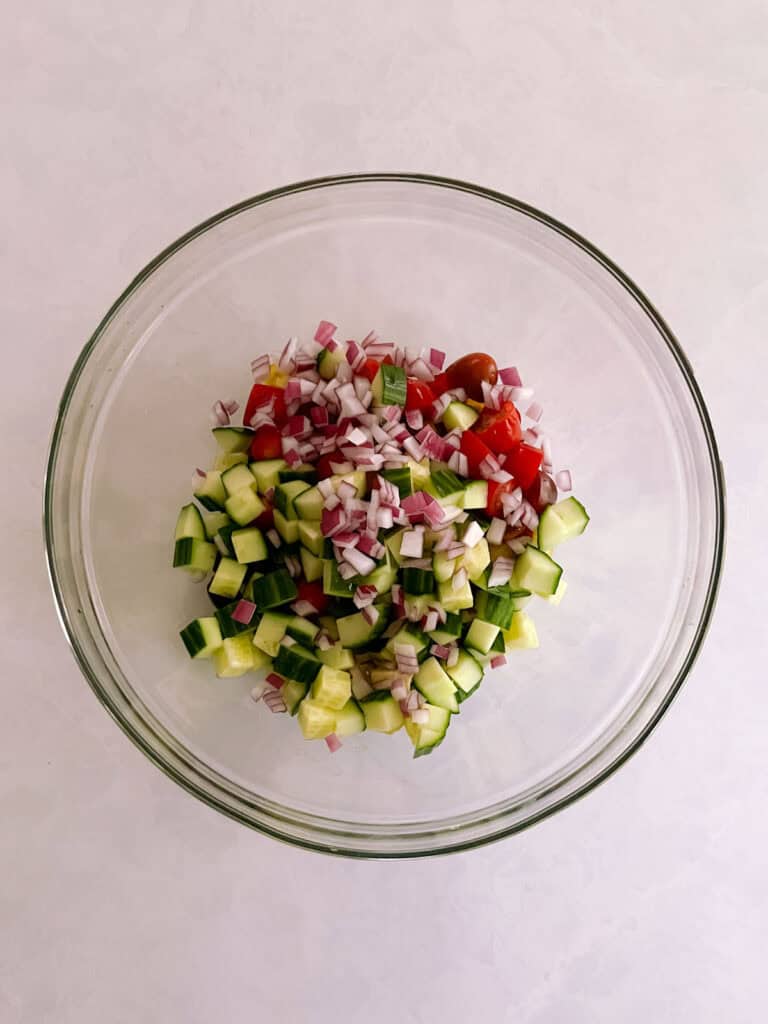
(325, 331)
(498, 660)
(244, 612)
(333, 742)
(563, 480)
(275, 680)
(509, 375)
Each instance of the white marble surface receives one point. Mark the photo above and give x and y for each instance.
(643, 125)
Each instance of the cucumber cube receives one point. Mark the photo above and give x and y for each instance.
(202, 637)
(454, 600)
(194, 555)
(249, 545)
(267, 473)
(382, 712)
(228, 578)
(244, 507)
(522, 632)
(270, 632)
(315, 720)
(234, 657)
(433, 682)
(350, 719)
(481, 636)
(332, 687)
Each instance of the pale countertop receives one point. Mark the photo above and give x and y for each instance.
(643, 126)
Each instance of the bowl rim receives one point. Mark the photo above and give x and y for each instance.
(190, 784)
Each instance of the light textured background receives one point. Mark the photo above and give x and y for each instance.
(643, 126)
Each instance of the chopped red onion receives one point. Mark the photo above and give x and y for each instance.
(304, 608)
(498, 660)
(371, 614)
(285, 362)
(244, 611)
(563, 480)
(347, 571)
(473, 534)
(258, 691)
(534, 411)
(412, 545)
(333, 742)
(414, 419)
(341, 468)
(509, 375)
(430, 621)
(260, 367)
(274, 702)
(221, 545)
(361, 563)
(364, 595)
(323, 642)
(436, 358)
(488, 466)
(453, 657)
(325, 331)
(219, 415)
(274, 538)
(501, 476)
(440, 651)
(274, 680)
(495, 532)
(420, 716)
(501, 572)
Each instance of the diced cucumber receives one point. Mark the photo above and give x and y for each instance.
(477, 559)
(311, 536)
(210, 491)
(401, 478)
(454, 600)
(442, 566)
(566, 519)
(522, 632)
(194, 555)
(418, 581)
(235, 657)
(249, 545)
(226, 460)
(215, 521)
(466, 673)
(274, 589)
(225, 538)
(244, 507)
(189, 523)
(495, 606)
(337, 657)
(355, 631)
(230, 626)
(449, 630)
(233, 439)
(389, 386)
(267, 473)
(270, 632)
(333, 584)
(332, 687)
(309, 505)
(394, 542)
(228, 578)
(446, 487)
(247, 594)
(382, 712)
(476, 494)
(238, 478)
(536, 571)
(481, 635)
(459, 416)
(302, 630)
(408, 635)
(428, 736)
(293, 693)
(303, 471)
(202, 637)
(311, 564)
(436, 685)
(350, 719)
(315, 721)
(558, 595)
(328, 362)
(285, 495)
(296, 662)
(287, 528)
(329, 625)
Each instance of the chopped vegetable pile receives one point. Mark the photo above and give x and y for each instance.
(374, 531)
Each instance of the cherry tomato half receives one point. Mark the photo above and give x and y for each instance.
(323, 465)
(524, 463)
(470, 371)
(260, 394)
(500, 430)
(267, 518)
(496, 491)
(475, 450)
(542, 492)
(313, 592)
(266, 443)
(440, 385)
(419, 396)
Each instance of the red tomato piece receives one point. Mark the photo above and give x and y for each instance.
(440, 385)
(470, 372)
(261, 393)
(313, 592)
(500, 430)
(475, 450)
(369, 369)
(266, 443)
(419, 396)
(496, 491)
(267, 518)
(524, 462)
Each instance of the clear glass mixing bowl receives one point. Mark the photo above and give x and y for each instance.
(427, 262)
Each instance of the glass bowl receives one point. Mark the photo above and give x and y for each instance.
(425, 261)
